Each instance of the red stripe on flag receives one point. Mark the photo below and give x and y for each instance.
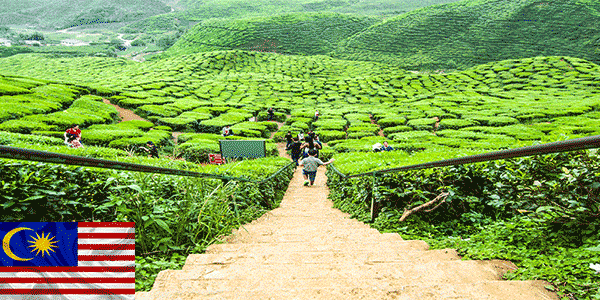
(106, 224)
(50, 280)
(101, 235)
(105, 257)
(106, 246)
(67, 291)
(66, 269)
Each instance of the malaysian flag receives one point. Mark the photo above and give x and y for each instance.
(52, 260)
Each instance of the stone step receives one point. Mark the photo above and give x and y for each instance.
(265, 235)
(280, 276)
(299, 289)
(332, 245)
(196, 260)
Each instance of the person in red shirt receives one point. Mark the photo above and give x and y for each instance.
(73, 134)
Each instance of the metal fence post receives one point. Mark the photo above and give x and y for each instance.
(374, 195)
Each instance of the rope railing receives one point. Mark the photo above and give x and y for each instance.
(554, 147)
(67, 159)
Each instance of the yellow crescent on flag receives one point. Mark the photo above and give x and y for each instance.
(6, 243)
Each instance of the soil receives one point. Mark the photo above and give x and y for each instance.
(125, 114)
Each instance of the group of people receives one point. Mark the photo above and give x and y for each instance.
(377, 147)
(308, 148)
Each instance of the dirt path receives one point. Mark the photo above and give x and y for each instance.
(125, 114)
(380, 133)
(305, 249)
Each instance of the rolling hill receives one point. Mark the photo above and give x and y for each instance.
(60, 14)
(472, 32)
(297, 33)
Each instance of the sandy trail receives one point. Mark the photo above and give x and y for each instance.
(306, 249)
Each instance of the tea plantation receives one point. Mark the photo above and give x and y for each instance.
(513, 82)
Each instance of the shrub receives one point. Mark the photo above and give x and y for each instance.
(389, 130)
(25, 126)
(391, 122)
(456, 123)
(422, 124)
(495, 121)
(359, 134)
(330, 135)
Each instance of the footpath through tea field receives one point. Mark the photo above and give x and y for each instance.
(306, 249)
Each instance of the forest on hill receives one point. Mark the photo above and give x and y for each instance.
(472, 32)
(436, 82)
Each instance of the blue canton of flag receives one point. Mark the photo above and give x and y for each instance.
(38, 244)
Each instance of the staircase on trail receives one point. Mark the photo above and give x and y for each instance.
(305, 249)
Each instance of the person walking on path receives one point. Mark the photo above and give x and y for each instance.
(300, 136)
(152, 150)
(271, 113)
(310, 166)
(288, 139)
(295, 149)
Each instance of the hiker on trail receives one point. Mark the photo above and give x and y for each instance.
(288, 139)
(377, 147)
(271, 113)
(386, 147)
(310, 166)
(300, 136)
(295, 148)
(227, 131)
(73, 134)
(317, 115)
(152, 150)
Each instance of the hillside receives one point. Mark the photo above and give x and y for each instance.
(304, 34)
(472, 32)
(60, 14)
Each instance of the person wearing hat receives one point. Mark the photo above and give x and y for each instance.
(152, 150)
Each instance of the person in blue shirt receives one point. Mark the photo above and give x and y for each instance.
(386, 147)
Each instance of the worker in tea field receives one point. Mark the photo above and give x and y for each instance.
(73, 134)
(310, 166)
(317, 115)
(295, 149)
(152, 149)
(386, 147)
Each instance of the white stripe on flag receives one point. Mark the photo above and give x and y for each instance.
(125, 263)
(72, 297)
(107, 286)
(67, 275)
(105, 241)
(105, 252)
(106, 230)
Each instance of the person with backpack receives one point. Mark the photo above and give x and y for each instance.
(288, 139)
(295, 148)
(310, 166)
